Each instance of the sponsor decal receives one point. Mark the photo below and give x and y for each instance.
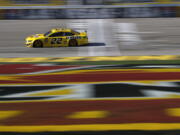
(74, 37)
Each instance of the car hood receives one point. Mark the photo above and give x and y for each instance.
(35, 36)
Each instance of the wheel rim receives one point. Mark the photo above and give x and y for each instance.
(37, 44)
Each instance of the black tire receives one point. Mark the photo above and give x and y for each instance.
(37, 44)
(73, 42)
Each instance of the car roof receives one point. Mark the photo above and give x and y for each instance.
(61, 30)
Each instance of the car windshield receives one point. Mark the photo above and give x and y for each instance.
(47, 33)
(74, 31)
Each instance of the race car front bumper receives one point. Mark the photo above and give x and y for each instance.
(29, 43)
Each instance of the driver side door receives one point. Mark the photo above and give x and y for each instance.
(55, 39)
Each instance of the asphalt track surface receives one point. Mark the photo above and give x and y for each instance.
(109, 37)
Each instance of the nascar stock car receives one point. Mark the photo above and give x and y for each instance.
(57, 38)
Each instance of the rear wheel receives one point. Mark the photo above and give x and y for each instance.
(37, 44)
(73, 42)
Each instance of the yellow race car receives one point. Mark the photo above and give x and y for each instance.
(57, 38)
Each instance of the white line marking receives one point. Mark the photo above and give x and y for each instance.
(57, 70)
(133, 32)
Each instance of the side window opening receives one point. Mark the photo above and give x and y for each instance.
(47, 33)
(68, 34)
(75, 32)
(57, 34)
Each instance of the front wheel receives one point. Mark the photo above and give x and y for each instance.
(37, 44)
(73, 42)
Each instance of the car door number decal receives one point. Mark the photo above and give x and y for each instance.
(56, 40)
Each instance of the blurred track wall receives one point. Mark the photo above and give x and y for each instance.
(78, 13)
(58, 9)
